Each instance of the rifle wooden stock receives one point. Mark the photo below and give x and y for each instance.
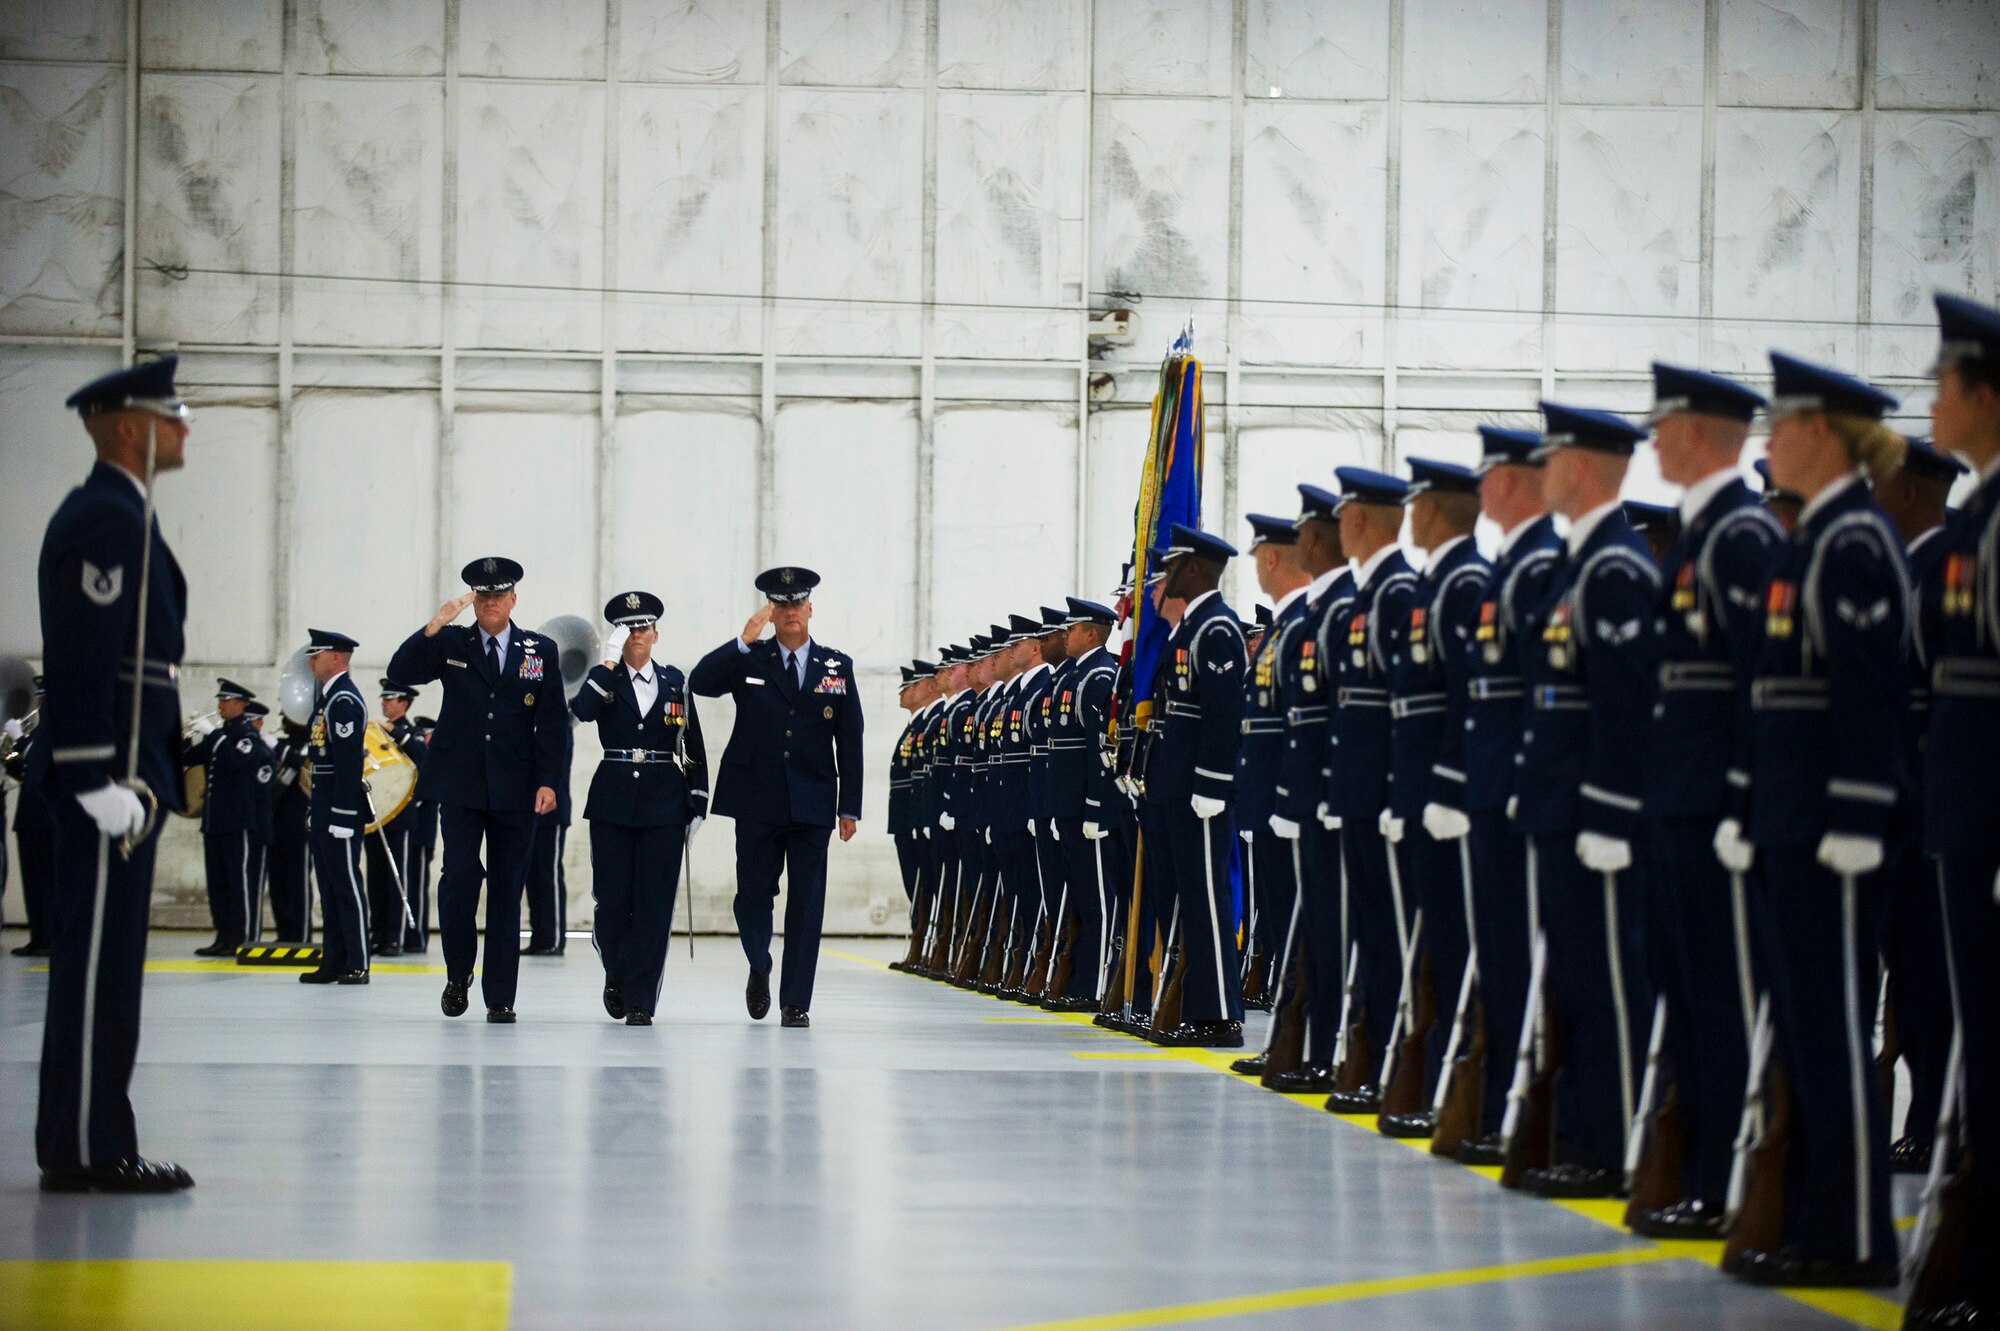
(1938, 1275)
(1062, 969)
(1760, 1224)
(1286, 1051)
(972, 942)
(939, 956)
(1254, 965)
(1405, 1092)
(1892, 1044)
(920, 915)
(1118, 979)
(1533, 1144)
(1461, 1097)
(1657, 1181)
(1167, 1012)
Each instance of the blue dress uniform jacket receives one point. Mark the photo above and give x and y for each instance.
(1082, 708)
(1496, 700)
(498, 739)
(949, 771)
(654, 772)
(336, 745)
(1201, 702)
(795, 754)
(1262, 751)
(1306, 696)
(902, 777)
(1371, 657)
(239, 768)
(1429, 707)
(1713, 584)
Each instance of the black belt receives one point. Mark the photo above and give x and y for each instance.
(637, 756)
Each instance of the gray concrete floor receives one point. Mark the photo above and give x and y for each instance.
(921, 1157)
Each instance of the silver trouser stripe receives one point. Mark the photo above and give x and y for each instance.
(1214, 776)
(1600, 795)
(90, 998)
(1869, 792)
(1857, 1086)
(91, 753)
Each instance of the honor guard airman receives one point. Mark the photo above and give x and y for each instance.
(647, 799)
(904, 820)
(395, 897)
(1045, 681)
(492, 768)
(238, 769)
(1081, 713)
(339, 810)
(791, 771)
(1427, 728)
(1826, 771)
(1697, 923)
(954, 883)
(1589, 668)
(34, 835)
(107, 760)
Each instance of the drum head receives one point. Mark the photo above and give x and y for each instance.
(389, 774)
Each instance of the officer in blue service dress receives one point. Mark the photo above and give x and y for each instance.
(647, 798)
(1706, 625)
(1588, 668)
(492, 767)
(1826, 770)
(339, 810)
(106, 758)
(791, 771)
(1962, 789)
(238, 769)
(1191, 782)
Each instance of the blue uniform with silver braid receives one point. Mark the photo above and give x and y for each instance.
(339, 813)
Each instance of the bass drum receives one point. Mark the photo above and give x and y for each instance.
(194, 791)
(388, 773)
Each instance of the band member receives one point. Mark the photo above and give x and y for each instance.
(34, 837)
(291, 837)
(233, 813)
(339, 810)
(390, 886)
(791, 770)
(648, 797)
(113, 603)
(492, 767)
(547, 887)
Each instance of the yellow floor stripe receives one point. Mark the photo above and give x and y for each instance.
(1317, 1296)
(1851, 1305)
(204, 966)
(1138, 1054)
(228, 1295)
(856, 958)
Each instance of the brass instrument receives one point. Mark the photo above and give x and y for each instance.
(578, 648)
(17, 698)
(194, 780)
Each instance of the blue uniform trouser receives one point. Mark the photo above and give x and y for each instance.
(1969, 884)
(1273, 885)
(1090, 873)
(1055, 880)
(1020, 881)
(1199, 851)
(1697, 917)
(391, 874)
(910, 863)
(291, 889)
(97, 915)
(1447, 942)
(1600, 1002)
(1914, 944)
(1500, 924)
(1823, 981)
(1158, 923)
(1323, 941)
(235, 867)
(1372, 906)
(508, 838)
(797, 851)
(343, 901)
(548, 884)
(635, 873)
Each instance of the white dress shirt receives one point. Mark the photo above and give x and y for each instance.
(645, 685)
(798, 666)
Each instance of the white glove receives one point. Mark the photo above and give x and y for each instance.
(1092, 832)
(1847, 854)
(1445, 823)
(12, 729)
(1031, 827)
(117, 810)
(1735, 853)
(694, 825)
(947, 822)
(614, 643)
(270, 741)
(1204, 807)
(1129, 786)
(1327, 818)
(341, 833)
(1390, 826)
(1055, 833)
(1513, 806)
(1603, 854)
(202, 727)
(1247, 834)
(926, 831)
(1286, 829)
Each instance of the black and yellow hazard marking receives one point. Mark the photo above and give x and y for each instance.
(280, 954)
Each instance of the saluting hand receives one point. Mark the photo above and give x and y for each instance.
(447, 612)
(753, 628)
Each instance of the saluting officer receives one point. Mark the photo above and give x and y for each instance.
(1962, 780)
(791, 770)
(238, 771)
(647, 799)
(392, 885)
(1712, 584)
(1829, 706)
(339, 810)
(492, 767)
(113, 603)
(1191, 781)
(1589, 668)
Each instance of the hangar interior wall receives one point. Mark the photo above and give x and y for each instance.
(657, 292)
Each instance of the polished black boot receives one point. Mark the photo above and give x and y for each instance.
(1691, 1219)
(1570, 1181)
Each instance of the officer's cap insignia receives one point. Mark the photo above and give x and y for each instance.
(103, 586)
(489, 567)
(787, 577)
(631, 600)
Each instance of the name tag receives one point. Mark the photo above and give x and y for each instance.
(450, 662)
(752, 679)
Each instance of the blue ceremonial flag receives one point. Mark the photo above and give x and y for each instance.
(1169, 492)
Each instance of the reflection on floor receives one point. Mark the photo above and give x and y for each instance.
(920, 1158)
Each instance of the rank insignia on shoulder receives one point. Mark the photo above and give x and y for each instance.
(343, 728)
(102, 586)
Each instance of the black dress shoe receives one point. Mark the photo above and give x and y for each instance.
(216, 950)
(757, 995)
(1305, 1079)
(794, 1017)
(1367, 1100)
(638, 1017)
(324, 976)
(1791, 1268)
(1253, 1066)
(614, 1002)
(1690, 1219)
(134, 1175)
(1961, 1316)
(1205, 1035)
(500, 1016)
(390, 950)
(1910, 1156)
(1406, 1125)
(1256, 1005)
(31, 948)
(351, 977)
(453, 1000)
(539, 950)
(1486, 1151)
(1570, 1181)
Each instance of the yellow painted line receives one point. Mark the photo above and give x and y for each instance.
(205, 966)
(856, 958)
(1159, 1055)
(233, 1295)
(1906, 1222)
(1352, 1291)
(1030, 1021)
(1851, 1305)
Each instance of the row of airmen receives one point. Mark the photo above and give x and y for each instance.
(1546, 857)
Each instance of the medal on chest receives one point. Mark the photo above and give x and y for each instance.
(1556, 637)
(1357, 639)
(1686, 603)
(1487, 635)
(1063, 720)
(1266, 662)
(318, 737)
(1420, 647)
(1781, 600)
(1014, 725)
(1181, 669)
(531, 666)
(1308, 666)
(1960, 578)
